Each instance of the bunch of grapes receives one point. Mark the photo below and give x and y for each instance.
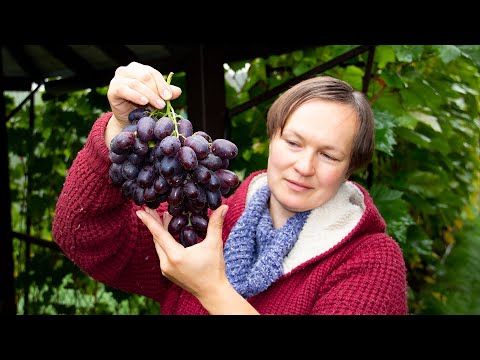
(159, 158)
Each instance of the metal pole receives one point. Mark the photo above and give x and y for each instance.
(7, 286)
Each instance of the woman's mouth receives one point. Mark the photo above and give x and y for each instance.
(297, 186)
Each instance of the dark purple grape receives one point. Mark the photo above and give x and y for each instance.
(160, 185)
(129, 170)
(199, 144)
(163, 128)
(130, 127)
(136, 159)
(140, 147)
(177, 223)
(170, 145)
(201, 174)
(204, 135)
(175, 197)
(176, 180)
(145, 128)
(122, 143)
(116, 174)
(214, 199)
(157, 164)
(177, 211)
(154, 204)
(170, 166)
(116, 158)
(199, 222)
(150, 157)
(136, 114)
(163, 197)
(137, 196)
(185, 128)
(227, 178)
(212, 162)
(224, 148)
(191, 190)
(187, 158)
(188, 236)
(202, 211)
(224, 190)
(200, 202)
(146, 176)
(156, 151)
(149, 194)
(213, 184)
(225, 163)
(127, 188)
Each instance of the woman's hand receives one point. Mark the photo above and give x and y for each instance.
(199, 269)
(133, 86)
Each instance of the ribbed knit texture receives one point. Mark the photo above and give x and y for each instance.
(254, 250)
(98, 230)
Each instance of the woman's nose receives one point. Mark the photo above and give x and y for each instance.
(304, 165)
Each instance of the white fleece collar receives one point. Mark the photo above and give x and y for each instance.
(326, 225)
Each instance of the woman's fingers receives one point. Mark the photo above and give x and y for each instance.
(161, 254)
(141, 84)
(166, 219)
(153, 79)
(215, 224)
(162, 88)
(154, 213)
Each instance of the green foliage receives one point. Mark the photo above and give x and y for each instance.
(56, 286)
(426, 164)
(52, 284)
(424, 177)
(457, 290)
(391, 205)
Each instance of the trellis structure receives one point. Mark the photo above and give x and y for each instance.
(24, 66)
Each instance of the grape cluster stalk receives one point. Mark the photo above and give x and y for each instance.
(158, 158)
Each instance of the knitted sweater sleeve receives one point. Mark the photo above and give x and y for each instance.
(371, 281)
(98, 229)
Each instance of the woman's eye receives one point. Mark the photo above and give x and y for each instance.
(328, 157)
(291, 143)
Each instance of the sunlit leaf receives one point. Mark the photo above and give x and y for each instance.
(408, 53)
(384, 54)
(448, 53)
(354, 76)
(472, 52)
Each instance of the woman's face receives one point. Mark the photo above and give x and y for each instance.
(308, 162)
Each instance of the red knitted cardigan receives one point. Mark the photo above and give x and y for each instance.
(98, 230)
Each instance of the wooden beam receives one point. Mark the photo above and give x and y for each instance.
(205, 91)
(100, 78)
(25, 62)
(70, 59)
(121, 54)
(37, 241)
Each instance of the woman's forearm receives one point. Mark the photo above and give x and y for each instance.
(226, 301)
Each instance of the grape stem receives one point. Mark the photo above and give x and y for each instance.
(170, 111)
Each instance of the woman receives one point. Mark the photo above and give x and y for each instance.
(296, 238)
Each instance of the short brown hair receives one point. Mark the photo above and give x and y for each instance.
(331, 89)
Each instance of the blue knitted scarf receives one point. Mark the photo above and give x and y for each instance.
(254, 250)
